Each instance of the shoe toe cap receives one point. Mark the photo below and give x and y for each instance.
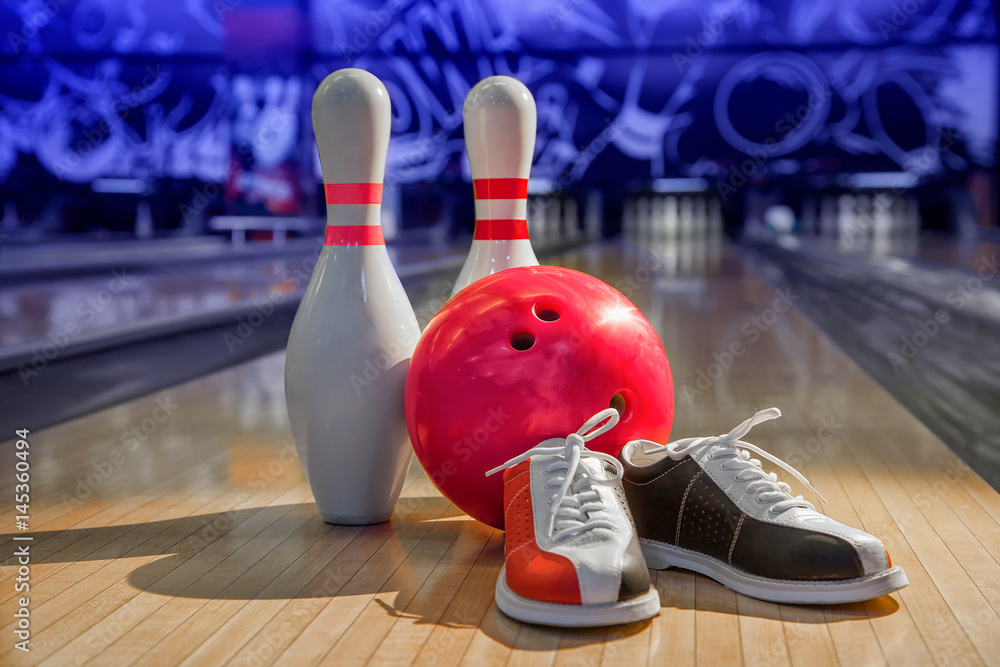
(635, 580)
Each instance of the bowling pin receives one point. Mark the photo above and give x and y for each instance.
(828, 218)
(629, 224)
(882, 223)
(657, 231)
(847, 218)
(553, 223)
(671, 224)
(571, 220)
(500, 120)
(686, 218)
(808, 217)
(715, 221)
(354, 332)
(700, 218)
(593, 215)
(144, 224)
(643, 218)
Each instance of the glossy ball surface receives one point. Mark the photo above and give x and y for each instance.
(524, 355)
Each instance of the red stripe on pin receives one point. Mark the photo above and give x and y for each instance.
(501, 230)
(500, 188)
(354, 235)
(353, 193)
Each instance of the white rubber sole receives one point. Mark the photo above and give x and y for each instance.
(660, 556)
(572, 615)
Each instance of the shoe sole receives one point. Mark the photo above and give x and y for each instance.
(660, 556)
(572, 615)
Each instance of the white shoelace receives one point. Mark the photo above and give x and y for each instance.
(573, 505)
(764, 485)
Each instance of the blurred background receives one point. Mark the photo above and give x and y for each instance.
(160, 187)
(126, 120)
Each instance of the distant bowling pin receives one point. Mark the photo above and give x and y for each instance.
(671, 224)
(593, 216)
(351, 341)
(700, 218)
(571, 220)
(500, 120)
(629, 223)
(686, 217)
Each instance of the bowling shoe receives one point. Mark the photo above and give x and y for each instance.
(705, 505)
(572, 558)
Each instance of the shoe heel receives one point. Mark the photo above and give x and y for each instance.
(657, 564)
(654, 560)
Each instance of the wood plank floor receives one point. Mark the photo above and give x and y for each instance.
(177, 529)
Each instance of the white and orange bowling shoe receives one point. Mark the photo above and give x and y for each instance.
(572, 555)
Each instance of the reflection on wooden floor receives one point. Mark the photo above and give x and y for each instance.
(178, 529)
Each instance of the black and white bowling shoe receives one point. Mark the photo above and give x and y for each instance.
(705, 505)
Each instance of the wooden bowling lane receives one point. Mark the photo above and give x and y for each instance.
(177, 528)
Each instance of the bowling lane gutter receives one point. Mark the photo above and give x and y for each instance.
(43, 384)
(947, 376)
(21, 265)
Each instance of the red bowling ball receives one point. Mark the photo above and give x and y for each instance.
(524, 355)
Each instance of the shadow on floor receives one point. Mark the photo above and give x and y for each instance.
(409, 564)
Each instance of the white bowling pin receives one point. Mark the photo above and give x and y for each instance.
(671, 224)
(629, 223)
(553, 223)
(808, 217)
(686, 217)
(847, 219)
(828, 218)
(571, 220)
(657, 230)
(594, 215)
(643, 218)
(500, 120)
(715, 221)
(865, 219)
(882, 223)
(351, 341)
(700, 218)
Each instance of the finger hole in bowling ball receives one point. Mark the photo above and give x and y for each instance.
(522, 341)
(546, 314)
(621, 402)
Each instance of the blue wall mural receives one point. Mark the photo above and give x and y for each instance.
(218, 90)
